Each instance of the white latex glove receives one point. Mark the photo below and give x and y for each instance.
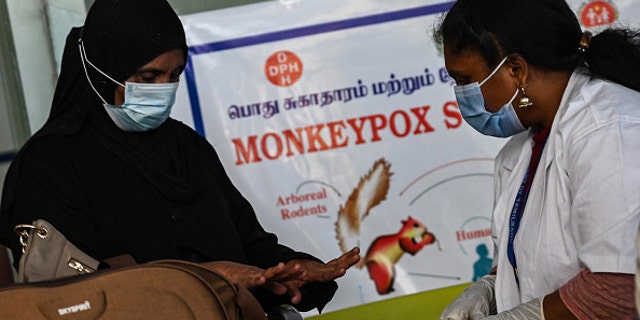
(475, 302)
(531, 310)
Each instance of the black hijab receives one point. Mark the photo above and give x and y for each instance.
(119, 36)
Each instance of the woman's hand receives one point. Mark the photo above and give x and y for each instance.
(252, 277)
(286, 278)
(322, 272)
(313, 271)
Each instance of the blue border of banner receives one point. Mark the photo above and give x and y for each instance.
(6, 156)
(289, 34)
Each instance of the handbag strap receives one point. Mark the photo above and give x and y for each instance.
(24, 231)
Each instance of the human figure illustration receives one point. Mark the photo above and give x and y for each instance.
(604, 15)
(591, 14)
(482, 266)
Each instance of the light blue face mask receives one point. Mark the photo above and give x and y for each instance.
(146, 105)
(503, 123)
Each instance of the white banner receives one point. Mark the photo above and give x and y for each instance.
(337, 121)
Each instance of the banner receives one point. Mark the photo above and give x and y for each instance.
(337, 121)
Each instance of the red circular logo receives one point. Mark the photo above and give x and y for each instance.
(283, 68)
(598, 13)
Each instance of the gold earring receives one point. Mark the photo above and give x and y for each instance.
(525, 101)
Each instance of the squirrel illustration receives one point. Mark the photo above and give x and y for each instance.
(386, 250)
(371, 190)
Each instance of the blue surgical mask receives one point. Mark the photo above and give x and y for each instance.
(146, 105)
(503, 123)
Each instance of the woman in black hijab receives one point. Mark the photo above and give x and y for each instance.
(116, 176)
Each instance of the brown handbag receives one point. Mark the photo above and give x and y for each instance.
(165, 289)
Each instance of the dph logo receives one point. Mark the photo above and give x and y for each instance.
(283, 68)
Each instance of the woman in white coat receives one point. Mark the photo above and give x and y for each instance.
(567, 183)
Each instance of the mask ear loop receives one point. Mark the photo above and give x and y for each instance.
(83, 58)
(494, 71)
(514, 97)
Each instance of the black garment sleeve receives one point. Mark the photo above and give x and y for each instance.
(314, 295)
(48, 188)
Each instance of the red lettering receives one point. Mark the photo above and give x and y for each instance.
(473, 234)
(339, 134)
(377, 125)
(295, 140)
(394, 127)
(314, 136)
(335, 129)
(358, 126)
(452, 112)
(302, 211)
(265, 146)
(248, 154)
(421, 114)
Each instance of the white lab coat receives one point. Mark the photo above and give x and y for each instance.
(584, 205)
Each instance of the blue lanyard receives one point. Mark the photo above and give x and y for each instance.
(521, 198)
(514, 221)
